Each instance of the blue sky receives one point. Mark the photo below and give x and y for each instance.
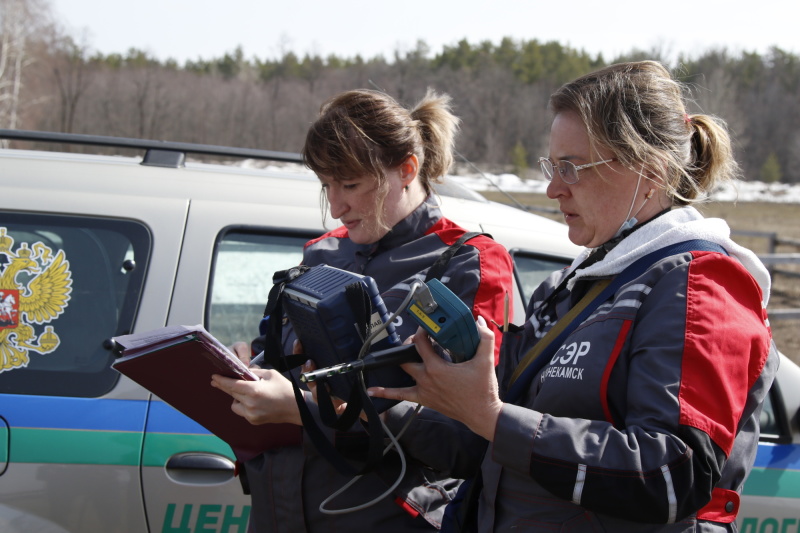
(192, 29)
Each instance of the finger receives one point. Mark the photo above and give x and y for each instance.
(229, 390)
(242, 351)
(263, 373)
(409, 394)
(430, 357)
(486, 343)
(309, 366)
(297, 348)
(222, 383)
(424, 344)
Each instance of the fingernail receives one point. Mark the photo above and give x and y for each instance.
(481, 321)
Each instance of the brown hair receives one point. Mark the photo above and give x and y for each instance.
(637, 110)
(367, 133)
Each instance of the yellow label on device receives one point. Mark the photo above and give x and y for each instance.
(425, 318)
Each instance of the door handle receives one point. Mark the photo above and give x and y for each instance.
(200, 468)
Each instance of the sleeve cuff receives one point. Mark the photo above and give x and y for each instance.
(514, 435)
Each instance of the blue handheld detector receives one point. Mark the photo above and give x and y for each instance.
(447, 320)
(441, 313)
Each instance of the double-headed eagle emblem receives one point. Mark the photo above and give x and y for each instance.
(35, 286)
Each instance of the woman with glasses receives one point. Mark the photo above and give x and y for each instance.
(644, 414)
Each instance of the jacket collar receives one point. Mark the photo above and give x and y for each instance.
(410, 228)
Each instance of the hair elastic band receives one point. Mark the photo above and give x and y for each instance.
(686, 118)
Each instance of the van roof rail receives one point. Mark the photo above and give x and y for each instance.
(158, 153)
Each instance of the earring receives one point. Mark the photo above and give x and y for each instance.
(649, 194)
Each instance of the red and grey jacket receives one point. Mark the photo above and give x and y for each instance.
(288, 485)
(647, 416)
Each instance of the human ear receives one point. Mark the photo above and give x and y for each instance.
(409, 169)
(655, 172)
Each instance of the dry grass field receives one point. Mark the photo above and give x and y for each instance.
(767, 217)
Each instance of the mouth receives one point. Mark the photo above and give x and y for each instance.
(350, 224)
(568, 215)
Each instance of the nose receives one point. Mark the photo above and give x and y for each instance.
(556, 188)
(336, 201)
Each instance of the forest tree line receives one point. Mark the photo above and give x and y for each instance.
(51, 81)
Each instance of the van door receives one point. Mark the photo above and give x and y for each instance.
(73, 267)
(228, 257)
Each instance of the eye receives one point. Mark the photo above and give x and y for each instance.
(349, 186)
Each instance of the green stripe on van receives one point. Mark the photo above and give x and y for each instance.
(773, 483)
(63, 446)
(161, 446)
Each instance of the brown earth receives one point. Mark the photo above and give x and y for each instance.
(780, 220)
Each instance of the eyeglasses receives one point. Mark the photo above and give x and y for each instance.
(567, 170)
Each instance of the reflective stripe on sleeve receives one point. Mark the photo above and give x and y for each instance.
(580, 479)
(671, 499)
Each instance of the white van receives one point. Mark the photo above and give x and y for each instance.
(93, 247)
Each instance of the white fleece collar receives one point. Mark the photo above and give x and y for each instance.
(675, 226)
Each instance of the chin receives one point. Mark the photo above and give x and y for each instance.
(578, 240)
(360, 238)
(357, 239)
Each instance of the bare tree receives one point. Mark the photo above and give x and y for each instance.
(18, 22)
(71, 72)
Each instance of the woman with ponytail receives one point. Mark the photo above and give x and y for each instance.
(377, 163)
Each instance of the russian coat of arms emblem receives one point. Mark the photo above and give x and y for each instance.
(35, 287)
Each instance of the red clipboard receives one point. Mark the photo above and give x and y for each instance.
(176, 363)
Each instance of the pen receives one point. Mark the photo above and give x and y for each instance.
(505, 314)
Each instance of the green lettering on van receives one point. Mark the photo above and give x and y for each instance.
(229, 520)
(770, 525)
(169, 519)
(207, 520)
(750, 525)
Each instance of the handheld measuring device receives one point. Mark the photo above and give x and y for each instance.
(447, 320)
(441, 313)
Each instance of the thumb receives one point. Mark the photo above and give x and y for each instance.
(487, 338)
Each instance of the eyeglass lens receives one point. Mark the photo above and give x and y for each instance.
(547, 168)
(566, 171)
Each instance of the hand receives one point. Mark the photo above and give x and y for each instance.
(269, 400)
(338, 405)
(242, 351)
(466, 391)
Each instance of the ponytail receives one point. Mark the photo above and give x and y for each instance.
(438, 127)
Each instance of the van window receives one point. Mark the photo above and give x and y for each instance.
(67, 285)
(533, 268)
(774, 421)
(244, 262)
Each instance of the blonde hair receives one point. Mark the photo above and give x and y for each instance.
(367, 133)
(638, 111)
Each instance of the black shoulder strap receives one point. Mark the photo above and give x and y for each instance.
(271, 324)
(439, 267)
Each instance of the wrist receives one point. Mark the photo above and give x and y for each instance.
(293, 410)
(486, 423)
